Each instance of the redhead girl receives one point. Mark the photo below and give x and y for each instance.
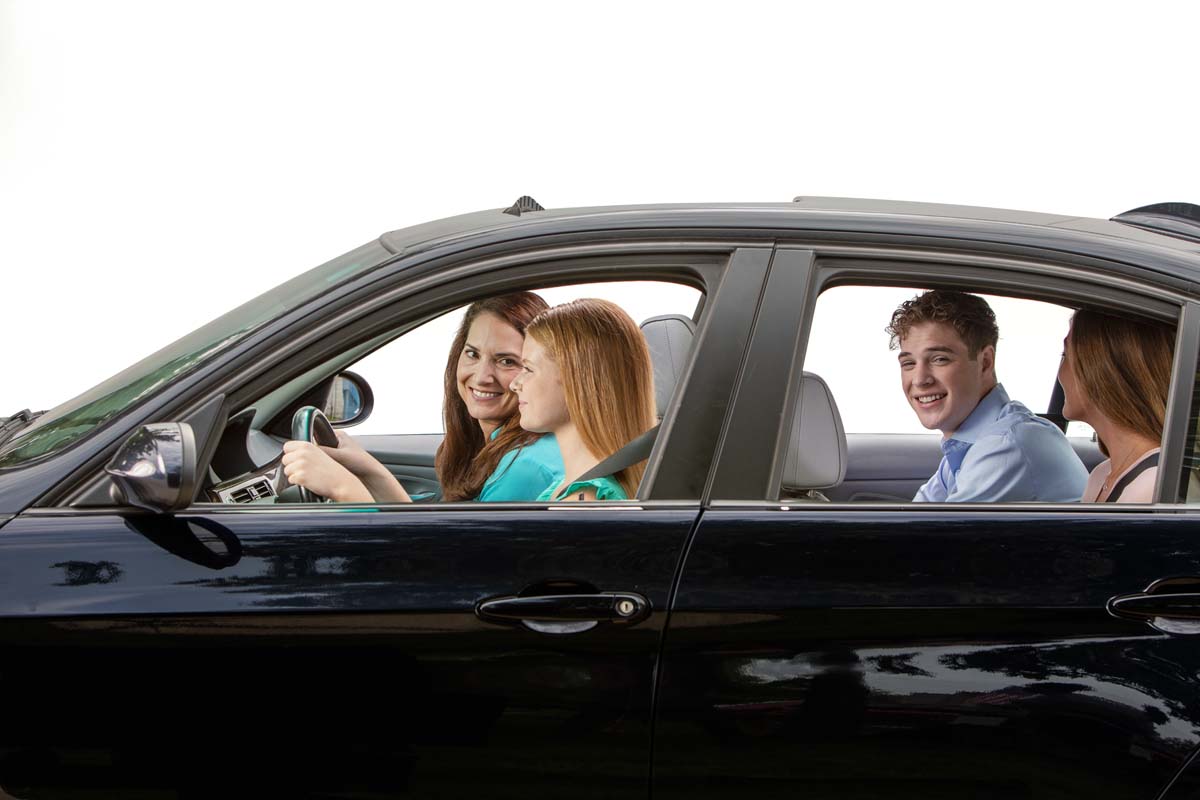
(486, 455)
(586, 378)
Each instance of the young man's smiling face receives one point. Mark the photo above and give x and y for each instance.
(942, 382)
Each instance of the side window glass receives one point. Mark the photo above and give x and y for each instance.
(406, 374)
(890, 454)
(849, 349)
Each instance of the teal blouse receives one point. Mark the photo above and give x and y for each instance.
(524, 471)
(606, 489)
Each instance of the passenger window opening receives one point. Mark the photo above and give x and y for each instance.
(406, 374)
(892, 446)
(849, 350)
(408, 381)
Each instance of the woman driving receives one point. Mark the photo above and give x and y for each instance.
(586, 378)
(486, 455)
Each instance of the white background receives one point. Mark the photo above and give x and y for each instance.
(160, 163)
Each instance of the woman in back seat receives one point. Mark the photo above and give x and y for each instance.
(1115, 374)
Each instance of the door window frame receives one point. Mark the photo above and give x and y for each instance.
(741, 483)
(728, 276)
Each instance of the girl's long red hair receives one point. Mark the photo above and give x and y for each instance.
(607, 376)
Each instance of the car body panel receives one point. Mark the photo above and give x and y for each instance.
(846, 652)
(325, 650)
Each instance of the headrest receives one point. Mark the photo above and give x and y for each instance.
(816, 456)
(670, 339)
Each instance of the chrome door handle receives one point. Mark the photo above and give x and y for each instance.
(1170, 605)
(542, 612)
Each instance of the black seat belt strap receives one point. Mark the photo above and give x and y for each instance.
(1138, 469)
(637, 450)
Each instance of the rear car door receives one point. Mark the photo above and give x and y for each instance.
(330, 651)
(888, 650)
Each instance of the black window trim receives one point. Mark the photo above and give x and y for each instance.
(1179, 406)
(1000, 275)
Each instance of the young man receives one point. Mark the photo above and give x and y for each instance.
(993, 449)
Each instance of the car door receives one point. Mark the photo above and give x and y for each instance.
(883, 650)
(328, 651)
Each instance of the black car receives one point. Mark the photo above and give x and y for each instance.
(181, 624)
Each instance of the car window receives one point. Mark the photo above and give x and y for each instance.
(889, 454)
(406, 374)
(404, 431)
(849, 350)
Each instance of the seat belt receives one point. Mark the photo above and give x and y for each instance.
(637, 450)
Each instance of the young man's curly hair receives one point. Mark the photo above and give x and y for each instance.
(969, 315)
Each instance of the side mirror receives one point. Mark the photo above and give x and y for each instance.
(155, 468)
(350, 400)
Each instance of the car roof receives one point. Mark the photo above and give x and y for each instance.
(1115, 241)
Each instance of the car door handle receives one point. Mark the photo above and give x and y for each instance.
(1171, 605)
(1148, 606)
(622, 608)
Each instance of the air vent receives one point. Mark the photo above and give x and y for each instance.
(251, 492)
(524, 203)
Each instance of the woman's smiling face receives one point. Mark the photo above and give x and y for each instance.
(490, 359)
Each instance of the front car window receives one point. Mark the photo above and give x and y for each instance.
(406, 375)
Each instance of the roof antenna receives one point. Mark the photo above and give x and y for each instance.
(524, 203)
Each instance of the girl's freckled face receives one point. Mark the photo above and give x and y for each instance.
(539, 390)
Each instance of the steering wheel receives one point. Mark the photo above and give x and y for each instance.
(309, 424)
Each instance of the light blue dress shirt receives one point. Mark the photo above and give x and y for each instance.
(1003, 452)
(523, 472)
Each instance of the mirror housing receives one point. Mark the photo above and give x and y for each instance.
(350, 400)
(155, 468)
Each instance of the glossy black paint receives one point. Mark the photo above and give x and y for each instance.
(328, 652)
(864, 653)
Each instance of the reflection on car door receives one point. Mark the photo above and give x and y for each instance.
(916, 653)
(311, 651)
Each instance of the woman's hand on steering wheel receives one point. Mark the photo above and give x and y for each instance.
(312, 467)
(351, 455)
(377, 479)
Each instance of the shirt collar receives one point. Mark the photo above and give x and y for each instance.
(984, 414)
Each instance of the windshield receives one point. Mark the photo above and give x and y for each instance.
(66, 423)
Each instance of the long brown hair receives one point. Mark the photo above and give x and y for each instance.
(465, 459)
(1124, 368)
(607, 376)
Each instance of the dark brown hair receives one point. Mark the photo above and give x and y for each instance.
(970, 316)
(1124, 368)
(607, 376)
(464, 459)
